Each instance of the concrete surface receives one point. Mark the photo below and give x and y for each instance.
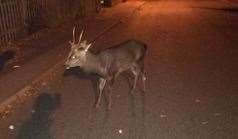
(191, 89)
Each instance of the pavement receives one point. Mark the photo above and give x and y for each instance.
(191, 87)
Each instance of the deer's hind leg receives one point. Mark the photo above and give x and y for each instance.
(136, 70)
(143, 75)
(102, 83)
(110, 83)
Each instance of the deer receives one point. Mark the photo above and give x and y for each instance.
(108, 63)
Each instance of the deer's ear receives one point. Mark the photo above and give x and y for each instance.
(88, 46)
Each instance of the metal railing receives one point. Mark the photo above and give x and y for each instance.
(16, 16)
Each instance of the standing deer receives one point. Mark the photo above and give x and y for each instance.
(108, 63)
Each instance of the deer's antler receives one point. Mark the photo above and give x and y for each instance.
(74, 35)
(80, 37)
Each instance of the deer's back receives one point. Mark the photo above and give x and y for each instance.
(128, 50)
(123, 55)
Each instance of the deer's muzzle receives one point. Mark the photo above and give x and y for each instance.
(66, 66)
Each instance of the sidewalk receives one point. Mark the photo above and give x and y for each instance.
(46, 55)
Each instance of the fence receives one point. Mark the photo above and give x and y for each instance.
(18, 16)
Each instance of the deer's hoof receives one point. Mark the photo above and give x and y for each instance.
(132, 91)
(97, 106)
(109, 107)
(143, 91)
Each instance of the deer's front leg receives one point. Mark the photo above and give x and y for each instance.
(102, 83)
(135, 71)
(110, 84)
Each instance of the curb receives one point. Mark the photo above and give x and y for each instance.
(29, 90)
(231, 2)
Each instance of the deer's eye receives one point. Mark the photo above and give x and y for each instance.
(73, 57)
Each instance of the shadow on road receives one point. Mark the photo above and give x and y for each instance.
(6, 56)
(137, 102)
(38, 126)
(82, 75)
(100, 119)
(137, 117)
(230, 10)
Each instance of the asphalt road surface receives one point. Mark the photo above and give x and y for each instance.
(192, 86)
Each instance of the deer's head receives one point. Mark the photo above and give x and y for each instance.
(78, 52)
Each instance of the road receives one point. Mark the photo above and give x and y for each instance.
(192, 81)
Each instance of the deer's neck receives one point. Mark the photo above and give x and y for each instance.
(93, 64)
